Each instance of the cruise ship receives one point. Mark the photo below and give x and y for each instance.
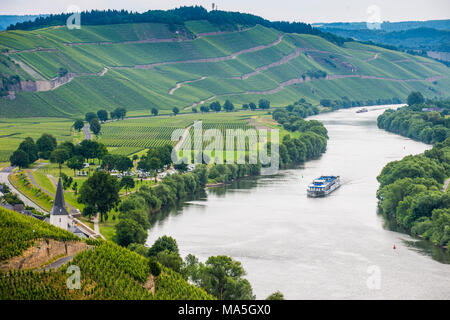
(323, 186)
(362, 110)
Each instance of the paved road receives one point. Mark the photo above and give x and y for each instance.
(87, 133)
(4, 174)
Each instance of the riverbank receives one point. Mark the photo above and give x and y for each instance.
(315, 248)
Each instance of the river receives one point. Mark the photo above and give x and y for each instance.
(316, 248)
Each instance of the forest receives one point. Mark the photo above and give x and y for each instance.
(423, 121)
(411, 194)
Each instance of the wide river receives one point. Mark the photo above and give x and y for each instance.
(316, 248)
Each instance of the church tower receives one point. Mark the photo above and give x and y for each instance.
(59, 216)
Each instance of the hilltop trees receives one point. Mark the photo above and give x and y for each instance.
(154, 112)
(175, 111)
(252, 106)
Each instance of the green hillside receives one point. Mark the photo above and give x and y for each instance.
(108, 271)
(139, 65)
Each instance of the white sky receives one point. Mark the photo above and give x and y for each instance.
(292, 10)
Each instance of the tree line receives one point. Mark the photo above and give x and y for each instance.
(175, 18)
(421, 120)
(345, 102)
(311, 142)
(411, 196)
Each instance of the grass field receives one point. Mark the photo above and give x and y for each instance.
(213, 63)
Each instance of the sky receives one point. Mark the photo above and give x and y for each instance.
(291, 10)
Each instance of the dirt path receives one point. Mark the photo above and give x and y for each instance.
(285, 59)
(179, 84)
(307, 79)
(372, 58)
(206, 60)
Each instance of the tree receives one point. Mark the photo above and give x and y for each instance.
(67, 181)
(264, 104)
(252, 106)
(194, 110)
(89, 116)
(221, 276)
(163, 243)
(245, 106)
(277, 295)
(175, 111)
(228, 106)
(75, 163)
(415, 97)
(154, 164)
(123, 164)
(170, 260)
(154, 111)
(29, 147)
(127, 182)
(78, 125)
(19, 158)
(46, 144)
(204, 109)
(215, 106)
(100, 191)
(102, 115)
(95, 126)
(59, 156)
(75, 187)
(129, 231)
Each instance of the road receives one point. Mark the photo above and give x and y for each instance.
(4, 174)
(87, 133)
(446, 183)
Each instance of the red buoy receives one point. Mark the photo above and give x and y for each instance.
(394, 247)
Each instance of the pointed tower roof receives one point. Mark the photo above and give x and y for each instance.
(59, 205)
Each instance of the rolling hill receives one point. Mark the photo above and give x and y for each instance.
(58, 72)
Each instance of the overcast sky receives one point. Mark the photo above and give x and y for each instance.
(292, 10)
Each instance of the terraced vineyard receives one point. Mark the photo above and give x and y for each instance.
(141, 66)
(108, 270)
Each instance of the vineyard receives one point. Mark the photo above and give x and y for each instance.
(108, 271)
(18, 232)
(130, 136)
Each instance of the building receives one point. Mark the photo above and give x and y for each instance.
(59, 216)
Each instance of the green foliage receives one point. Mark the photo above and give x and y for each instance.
(412, 122)
(95, 126)
(277, 295)
(415, 97)
(220, 276)
(78, 125)
(164, 243)
(410, 193)
(129, 231)
(100, 191)
(19, 232)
